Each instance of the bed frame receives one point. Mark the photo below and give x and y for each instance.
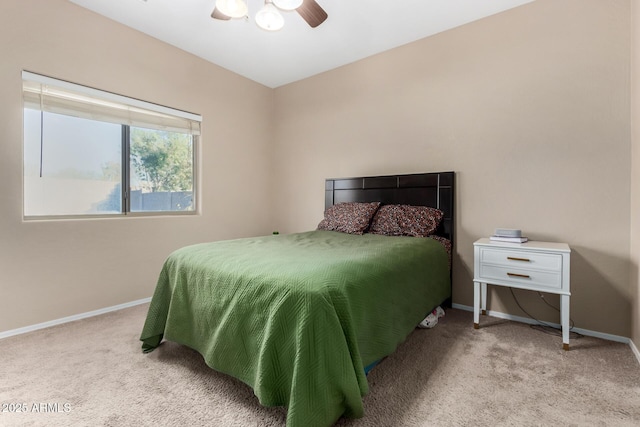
(434, 189)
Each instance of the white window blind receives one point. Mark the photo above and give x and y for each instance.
(61, 97)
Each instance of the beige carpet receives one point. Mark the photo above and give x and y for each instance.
(92, 373)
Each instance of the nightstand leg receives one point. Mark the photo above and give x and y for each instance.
(564, 318)
(476, 305)
(483, 298)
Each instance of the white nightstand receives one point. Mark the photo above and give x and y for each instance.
(535, 266)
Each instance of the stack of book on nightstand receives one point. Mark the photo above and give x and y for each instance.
(508, 235)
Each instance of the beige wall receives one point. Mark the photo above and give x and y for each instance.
(531, 109)
(53, 269)
(635, 171)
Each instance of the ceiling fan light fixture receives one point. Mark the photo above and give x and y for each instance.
(288, 4)
(232, 8)
(268, 18)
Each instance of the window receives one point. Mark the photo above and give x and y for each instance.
(89, 152)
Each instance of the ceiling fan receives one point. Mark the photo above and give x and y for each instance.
(269, 17)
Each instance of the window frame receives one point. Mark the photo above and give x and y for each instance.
(193, 120)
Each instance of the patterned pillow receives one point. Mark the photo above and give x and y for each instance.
(350, 217)
(405, 220)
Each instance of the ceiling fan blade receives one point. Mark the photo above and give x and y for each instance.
(312, 13)
(216, 14)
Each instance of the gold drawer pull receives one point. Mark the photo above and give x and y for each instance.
(526, 276)
(512, 258)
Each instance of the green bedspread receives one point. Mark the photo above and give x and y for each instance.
(298, 317)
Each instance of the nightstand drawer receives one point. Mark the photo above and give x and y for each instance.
(521, 259)
(520, 276)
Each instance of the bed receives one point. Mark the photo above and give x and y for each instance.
(299, 317)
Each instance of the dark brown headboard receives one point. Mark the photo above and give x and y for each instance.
(423, 189)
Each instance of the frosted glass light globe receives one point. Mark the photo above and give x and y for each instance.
(232, 8)
(269, 18)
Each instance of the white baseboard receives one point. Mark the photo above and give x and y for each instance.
(75, 317)
(634, 349)
(586, 332)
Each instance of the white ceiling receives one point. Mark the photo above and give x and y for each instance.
(354, 30)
